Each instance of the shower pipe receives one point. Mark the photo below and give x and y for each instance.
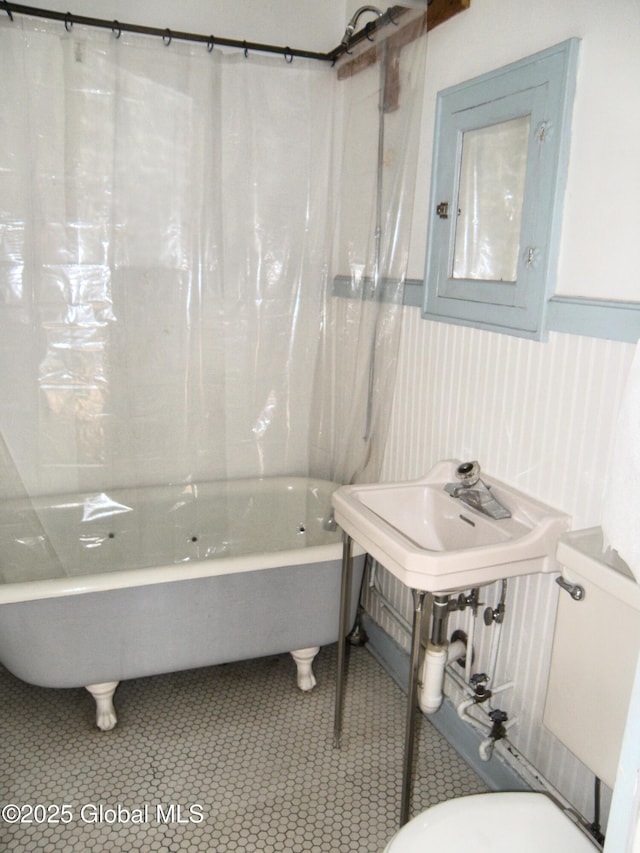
(377, 239)
(211, 41)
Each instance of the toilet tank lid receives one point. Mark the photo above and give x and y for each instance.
(584, 554)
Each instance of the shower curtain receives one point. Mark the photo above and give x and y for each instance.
(380, 92)
(173, 257)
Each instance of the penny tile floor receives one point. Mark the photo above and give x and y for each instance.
(227, 758)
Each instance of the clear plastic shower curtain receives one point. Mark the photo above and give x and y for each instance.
(170, 233)
(380, 104)
(163, 258)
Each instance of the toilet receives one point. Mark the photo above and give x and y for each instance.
(492, 823)
(598, 589)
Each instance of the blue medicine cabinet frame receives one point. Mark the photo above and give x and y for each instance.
(542, 86)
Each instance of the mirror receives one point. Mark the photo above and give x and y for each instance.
(493, 166)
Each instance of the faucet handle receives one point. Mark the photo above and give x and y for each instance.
(468, 473)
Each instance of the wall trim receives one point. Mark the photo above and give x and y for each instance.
(343, 286)
(414, 292)
(595, 318)
(610, 319)
(348, 288)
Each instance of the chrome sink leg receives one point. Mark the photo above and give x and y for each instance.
(343, 628)
(407, 771)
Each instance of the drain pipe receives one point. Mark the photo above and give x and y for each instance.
(430, 692)
(439, 653)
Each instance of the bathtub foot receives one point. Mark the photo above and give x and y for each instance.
(105, 712)
(304, 660)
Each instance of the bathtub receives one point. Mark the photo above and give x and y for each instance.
(97, 588)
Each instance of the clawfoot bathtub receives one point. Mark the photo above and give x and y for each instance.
(98, 588)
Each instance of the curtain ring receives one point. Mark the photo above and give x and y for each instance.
(6, 8)
(166, 38)
(246, 50)
(68, 22)
(369, 27)
(211, 43)
(288, 56)
(390, 16)
(116, 29)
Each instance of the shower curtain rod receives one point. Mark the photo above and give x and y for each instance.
(211, 41)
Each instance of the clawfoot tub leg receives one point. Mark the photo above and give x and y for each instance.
(105, 712)
(304, 659)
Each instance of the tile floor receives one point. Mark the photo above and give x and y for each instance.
(235, 756)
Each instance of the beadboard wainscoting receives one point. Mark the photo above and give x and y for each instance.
(539, 416)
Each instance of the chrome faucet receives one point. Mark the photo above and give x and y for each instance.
(474, 493)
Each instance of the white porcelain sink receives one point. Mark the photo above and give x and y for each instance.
(434, 542)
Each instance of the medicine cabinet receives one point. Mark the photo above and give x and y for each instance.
(498, 176)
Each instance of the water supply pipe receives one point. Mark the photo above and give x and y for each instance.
(378, 227)
(495, 617)
(485, 750)
(351, 26)
(499, 730)
(470, 628)
(464, 706)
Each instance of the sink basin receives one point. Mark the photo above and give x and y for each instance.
(434, 542)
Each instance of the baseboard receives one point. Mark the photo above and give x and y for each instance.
(495, 773)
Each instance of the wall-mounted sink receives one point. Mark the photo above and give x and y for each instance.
(432, 541)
